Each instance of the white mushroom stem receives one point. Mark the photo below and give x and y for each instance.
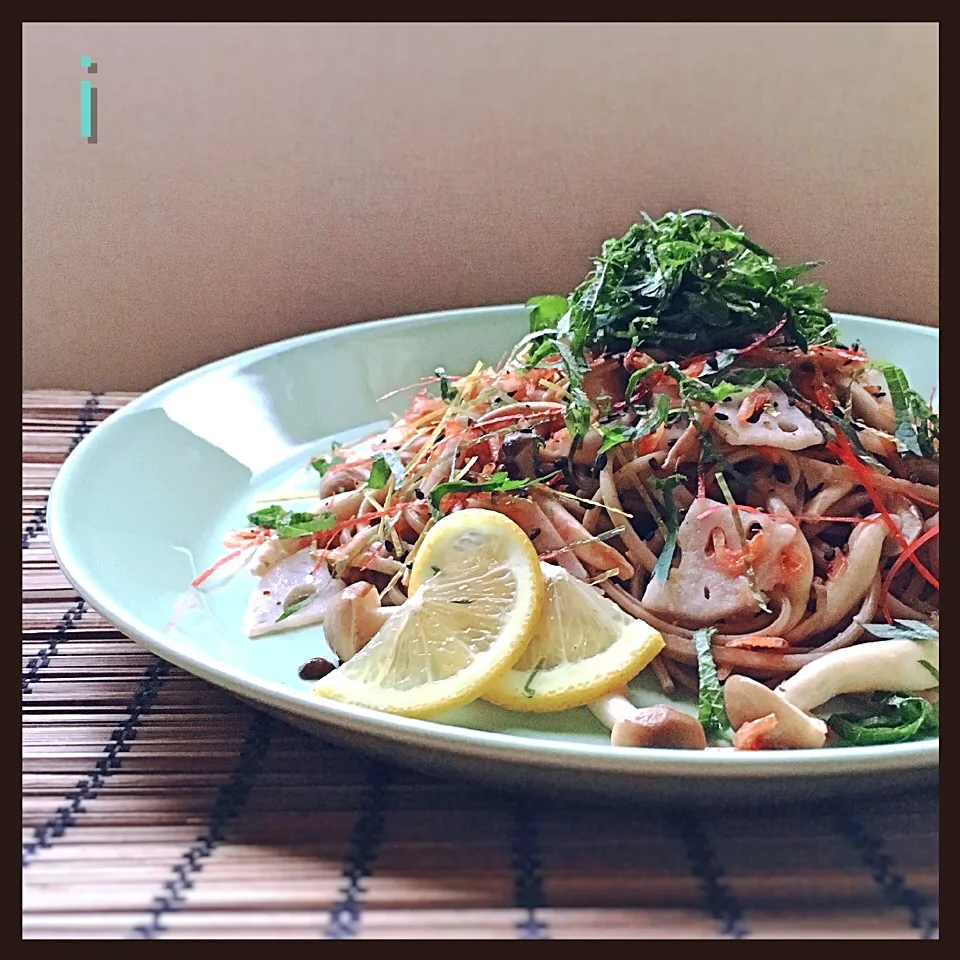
(609, 710)
(747, 700)
(888, 665)
(353, 618)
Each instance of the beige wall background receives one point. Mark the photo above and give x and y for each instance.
(257, 181)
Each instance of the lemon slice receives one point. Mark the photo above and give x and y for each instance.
(584, 647)
(476, 592)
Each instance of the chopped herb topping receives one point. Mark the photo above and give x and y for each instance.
(495, 483)
(902, 630)
(385, 464)
(269, 517)
(296, 606)
(322, 466)
(917, 426)
(671, 522)
(546, 311)
(687, 281)
(527, 689)
(447, 393)
(901, 718)
(614, 436)
(711, 712)
(286, 524)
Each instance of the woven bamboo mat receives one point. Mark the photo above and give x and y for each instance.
(155, 805)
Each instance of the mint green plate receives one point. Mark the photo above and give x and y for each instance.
(142, 506)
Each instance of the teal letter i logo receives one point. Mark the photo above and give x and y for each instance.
(88, 103)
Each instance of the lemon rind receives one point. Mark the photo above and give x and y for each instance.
(563, 688)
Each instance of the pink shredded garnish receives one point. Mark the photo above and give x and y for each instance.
(763, 339)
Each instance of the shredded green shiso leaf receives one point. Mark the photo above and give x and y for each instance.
(688, 282)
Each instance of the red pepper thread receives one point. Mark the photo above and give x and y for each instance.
(842, 449)
(908, 554)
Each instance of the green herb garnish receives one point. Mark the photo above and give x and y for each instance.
(691, 388)
(931, 669)
(302, 524)
(902, 630)
(750, 378)
(495, 483)
(287, 524)
(296, 606)
(687, 281)
(710, 711)
(385, 464)
(614, 436)
(527, 691)
(269, 517)
(692, 277)
(322, 466)
(447, 393)
(671, 521)
(901, 718)
(546, 311)
(917, 427)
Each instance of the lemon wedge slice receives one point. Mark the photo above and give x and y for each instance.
(476, 592)
(584, 647)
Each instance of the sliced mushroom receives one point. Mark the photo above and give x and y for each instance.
(877, 442)
(888, 665)
(657, 726)
(748, 701)
(607, 377)
(520, 454)
(353, 619)
(830, 482)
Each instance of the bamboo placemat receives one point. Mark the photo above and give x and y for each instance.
(156, 805)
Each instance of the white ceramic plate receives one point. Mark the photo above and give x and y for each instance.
(142, 505)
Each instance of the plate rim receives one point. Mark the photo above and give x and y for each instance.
(467, 742)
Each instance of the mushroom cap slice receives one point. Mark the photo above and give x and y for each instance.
(661, 726)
